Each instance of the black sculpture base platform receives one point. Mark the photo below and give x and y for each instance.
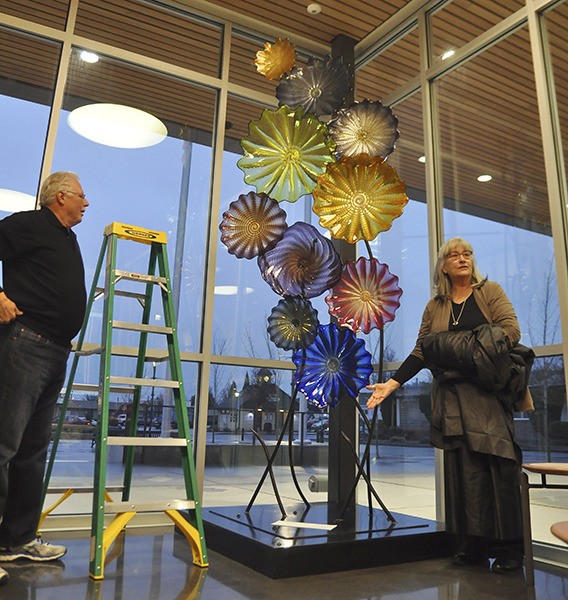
(359, 541)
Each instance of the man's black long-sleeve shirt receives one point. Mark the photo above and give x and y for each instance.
(43, 273)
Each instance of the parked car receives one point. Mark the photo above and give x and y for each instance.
(74, 420)
(318, 423)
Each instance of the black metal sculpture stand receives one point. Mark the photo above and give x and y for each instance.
(365, 462)
(287, 427)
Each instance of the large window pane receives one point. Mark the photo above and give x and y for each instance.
(247, 399)
(164, 187)
(460, 21)
(155, 31)
(556, 23)
(389, 69)
(402, 457)
(243, 300)
(494, 131)
(404, 247)
(27, 76)
(157, 473)
(543, 435)
(51, 13)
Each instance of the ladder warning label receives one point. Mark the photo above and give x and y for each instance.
(137, 234)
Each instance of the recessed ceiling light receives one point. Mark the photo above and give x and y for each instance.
(448, 54)
(314, 8)
(484, 178)
(88, 57)
(422, 159)
(12, 201)
(117, 125)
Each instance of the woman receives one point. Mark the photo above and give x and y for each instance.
(467, 337)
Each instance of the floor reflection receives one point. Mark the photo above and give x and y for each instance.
(159, 567)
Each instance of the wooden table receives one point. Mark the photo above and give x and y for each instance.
(560, 530)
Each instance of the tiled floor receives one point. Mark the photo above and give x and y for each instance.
(158, 567)
(153, 564)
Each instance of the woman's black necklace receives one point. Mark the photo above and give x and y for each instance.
(456, 320)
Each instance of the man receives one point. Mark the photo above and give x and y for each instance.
(42, 306)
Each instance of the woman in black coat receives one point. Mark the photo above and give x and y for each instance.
(469, 339)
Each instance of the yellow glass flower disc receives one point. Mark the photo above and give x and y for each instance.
(276, 59)
(358, 197)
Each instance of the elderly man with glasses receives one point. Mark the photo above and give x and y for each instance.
(42, 306)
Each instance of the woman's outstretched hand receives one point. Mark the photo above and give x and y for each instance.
(381, 391)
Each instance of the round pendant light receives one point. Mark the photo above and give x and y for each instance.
(12, 201)
(117, 125)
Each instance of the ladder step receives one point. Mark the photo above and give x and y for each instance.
(141, 327)
(140, 277)
(94, 387)
(89, 352)
(121, 507)
(144, 441)
(137, 295)
(140, 381)
(83, 490)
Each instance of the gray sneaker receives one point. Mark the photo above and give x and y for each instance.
(36, 550)
(3, 576)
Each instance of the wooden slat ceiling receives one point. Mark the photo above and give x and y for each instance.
(489, 119)
(353, 18)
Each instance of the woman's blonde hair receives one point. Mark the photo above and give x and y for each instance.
(442, 282)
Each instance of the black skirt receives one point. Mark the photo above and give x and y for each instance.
(482, 493)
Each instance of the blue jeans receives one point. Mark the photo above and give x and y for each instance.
(32, 372)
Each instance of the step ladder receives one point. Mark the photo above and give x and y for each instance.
(190, 522)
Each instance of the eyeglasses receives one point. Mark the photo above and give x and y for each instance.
(454, 256)
(82, 196)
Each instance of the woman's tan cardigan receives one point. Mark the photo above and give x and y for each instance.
(492, 302)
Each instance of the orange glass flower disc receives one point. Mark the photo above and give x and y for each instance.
(276, 59)
(358, 197)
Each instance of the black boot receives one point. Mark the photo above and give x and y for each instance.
(509, 557)
(472, 552)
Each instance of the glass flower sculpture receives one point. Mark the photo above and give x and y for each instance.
(252, 224)
(275, 59)
(303, 263)
(320, 87)
(336, 365)
(366, 297)
(358, 197)
(293, 323)
(364, 127)
(285, 151)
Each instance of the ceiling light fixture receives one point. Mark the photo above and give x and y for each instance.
(88, 57)
(422, 159)
(314, 8)
(12, 201)
(484, 178)
(117, 125)
(230, 290)
(448, 54)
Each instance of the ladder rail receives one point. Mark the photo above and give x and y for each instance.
(98, 551)
(73, 371)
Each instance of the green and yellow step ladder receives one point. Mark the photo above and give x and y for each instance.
(190, 523)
